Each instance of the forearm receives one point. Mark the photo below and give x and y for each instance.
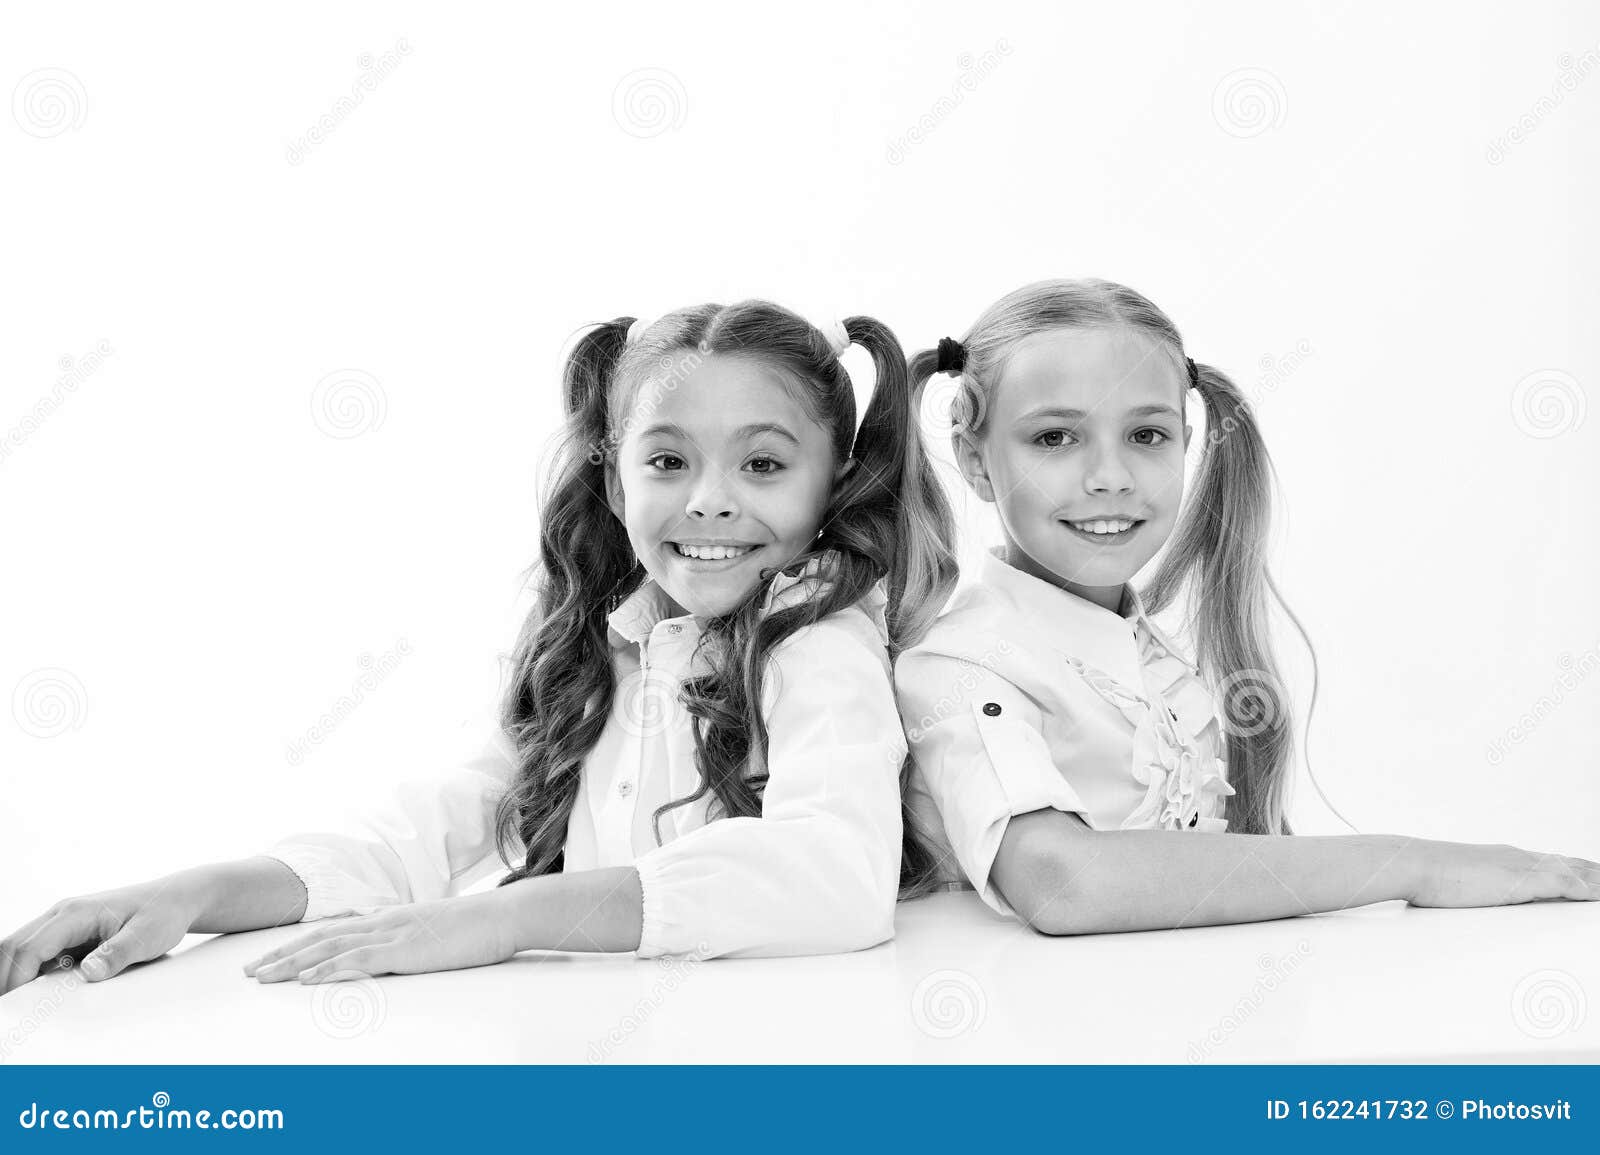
(246, 894)
(1092, 882)
(588, 910)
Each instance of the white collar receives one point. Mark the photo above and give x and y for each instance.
(1074, 626)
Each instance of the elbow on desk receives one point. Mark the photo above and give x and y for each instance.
(1049, 887)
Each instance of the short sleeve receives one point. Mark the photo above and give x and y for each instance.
(978, 743)
(431, 838)
(818, 871)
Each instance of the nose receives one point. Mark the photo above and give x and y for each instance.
(1107, 472)
(713, 498)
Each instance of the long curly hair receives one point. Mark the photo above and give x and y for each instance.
(1217, 552)
(888, 520)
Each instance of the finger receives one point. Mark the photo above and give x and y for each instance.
(364, 962)
(292, 964)
(134, 943)
(321, 929)
(72, 927)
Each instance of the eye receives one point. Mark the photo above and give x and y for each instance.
(658, 460)
(1058, 433)
(1159, 433)
(773, 464)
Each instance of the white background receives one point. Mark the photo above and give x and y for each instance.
(195, 562)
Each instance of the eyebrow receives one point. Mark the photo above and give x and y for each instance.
(1079, 414)
(742, 433)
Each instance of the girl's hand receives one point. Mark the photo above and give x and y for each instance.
(121, 927)
(447, 934)
(1465, 874)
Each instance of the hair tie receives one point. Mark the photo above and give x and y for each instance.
(837, 336)
(952, 356)
(636, 330)
(1194, 373)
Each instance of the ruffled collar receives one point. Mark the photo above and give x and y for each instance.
(647, 607)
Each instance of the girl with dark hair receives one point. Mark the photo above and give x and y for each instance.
(698, 752)
(1066, 754)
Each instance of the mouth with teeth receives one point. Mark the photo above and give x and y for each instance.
(1105, 530)
(723, 554)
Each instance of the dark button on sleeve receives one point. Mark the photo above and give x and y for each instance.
(991, 708)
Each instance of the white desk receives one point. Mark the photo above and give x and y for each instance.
(1380, 984)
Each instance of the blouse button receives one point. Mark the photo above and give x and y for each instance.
(674, 629)
(1195, 820)
(625, 787)
(991, 708)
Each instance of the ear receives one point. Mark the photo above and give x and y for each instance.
(969, 459)
(614, 495)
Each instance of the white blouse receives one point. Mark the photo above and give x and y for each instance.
(1026, 697)
(817, 873)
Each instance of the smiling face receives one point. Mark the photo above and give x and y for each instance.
(720, 474)
(1082, 454)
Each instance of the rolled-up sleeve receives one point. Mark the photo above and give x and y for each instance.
(431, 838)
(979, 747)
(818, 872)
